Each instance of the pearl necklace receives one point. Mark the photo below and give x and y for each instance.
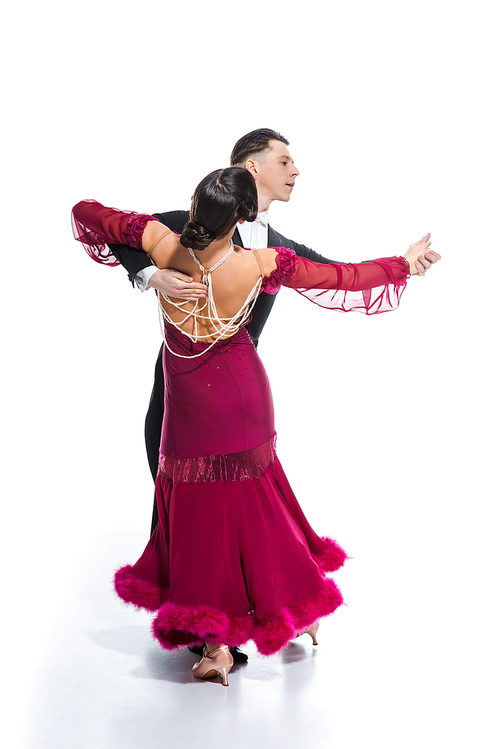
(225, 326)
(207, 271)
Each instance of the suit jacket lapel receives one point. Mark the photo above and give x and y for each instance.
(272, 237)
(237, 238)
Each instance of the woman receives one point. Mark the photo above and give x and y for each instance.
(233, 557)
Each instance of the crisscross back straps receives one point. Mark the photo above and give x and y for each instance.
(157, 241)
(259, 263)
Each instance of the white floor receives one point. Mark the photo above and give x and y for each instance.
(106, 683)
(103, 683)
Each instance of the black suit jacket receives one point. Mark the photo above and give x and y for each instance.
(136, 260)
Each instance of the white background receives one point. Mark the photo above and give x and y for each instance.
(386, 425)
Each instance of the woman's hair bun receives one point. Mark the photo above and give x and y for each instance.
(196, 236)
(247, 209)
(219, 201)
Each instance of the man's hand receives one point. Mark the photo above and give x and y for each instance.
(175, 284)
(424, 262)
(420, 257)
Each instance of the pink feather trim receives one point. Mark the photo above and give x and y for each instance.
(270, 635)
(205, 622)
(140, 593)
(332, 557)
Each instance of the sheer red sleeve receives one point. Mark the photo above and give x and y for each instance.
(95, 226)
(370, 288)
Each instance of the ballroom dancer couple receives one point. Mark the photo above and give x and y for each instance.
(265, 154)
(232, 557)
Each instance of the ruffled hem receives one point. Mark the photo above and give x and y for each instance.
(135, 228)
(285, 266)
(241, 466)
(142, 594)
(270, 635)
(332, 558)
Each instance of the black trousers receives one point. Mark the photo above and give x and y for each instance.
(152, 427)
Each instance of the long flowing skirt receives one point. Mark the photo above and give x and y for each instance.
(233, 557)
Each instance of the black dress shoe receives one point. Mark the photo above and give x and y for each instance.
(196, 649)
(238, 656)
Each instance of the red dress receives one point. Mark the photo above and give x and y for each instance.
(233, 557)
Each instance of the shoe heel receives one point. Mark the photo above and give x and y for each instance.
(312, 633)
(219, 661)
(224, 672)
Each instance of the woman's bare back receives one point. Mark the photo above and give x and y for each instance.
(232, 283)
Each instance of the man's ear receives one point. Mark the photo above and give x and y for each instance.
(253, 167)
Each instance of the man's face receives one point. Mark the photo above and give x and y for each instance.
(275, 175)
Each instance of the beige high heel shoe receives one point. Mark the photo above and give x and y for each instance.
(312, 631)
(219, 661)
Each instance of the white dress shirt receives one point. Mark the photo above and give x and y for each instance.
(141, 279)
(254, 234)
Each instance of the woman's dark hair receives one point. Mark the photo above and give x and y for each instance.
(219, 201)
(253, 143)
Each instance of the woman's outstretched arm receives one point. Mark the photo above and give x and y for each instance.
(96, 226)
(371, 287)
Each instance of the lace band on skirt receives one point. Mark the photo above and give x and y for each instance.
(242, 466)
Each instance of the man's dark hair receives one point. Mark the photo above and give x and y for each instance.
(253, 143)
(219, 201)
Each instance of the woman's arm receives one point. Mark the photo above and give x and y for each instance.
(371, 287)
(96, 226)
(360, 276)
